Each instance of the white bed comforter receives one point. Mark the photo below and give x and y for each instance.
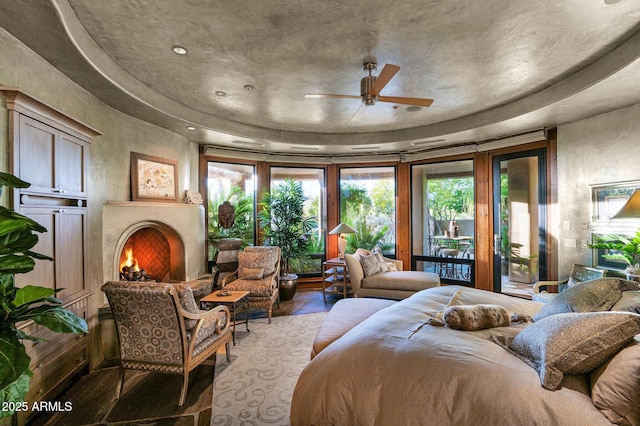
(394, 369)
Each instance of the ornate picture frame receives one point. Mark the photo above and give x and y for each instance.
(153, 178)
(607, 199)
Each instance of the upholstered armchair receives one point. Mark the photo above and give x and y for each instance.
(160, 328)
(257, 273)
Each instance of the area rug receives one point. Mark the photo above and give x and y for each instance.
(257, 386)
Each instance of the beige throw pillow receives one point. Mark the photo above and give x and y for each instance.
(370, 264)
(251, 273)
(615, 386)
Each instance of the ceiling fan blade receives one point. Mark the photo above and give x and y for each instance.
(356, 116)
(386, 74)
(324, 96)
(406, 101)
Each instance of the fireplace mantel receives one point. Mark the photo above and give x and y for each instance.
(120, 219)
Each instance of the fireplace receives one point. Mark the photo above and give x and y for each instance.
(167, 239)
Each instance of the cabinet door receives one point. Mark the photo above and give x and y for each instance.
(36, 155)
(70, 250)
(70, 165)
(44, 272)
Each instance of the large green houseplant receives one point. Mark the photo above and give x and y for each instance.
(625, 249)
(18, 235)
(284, 224)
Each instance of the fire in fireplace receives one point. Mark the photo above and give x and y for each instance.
(130, 270)
(146, 256)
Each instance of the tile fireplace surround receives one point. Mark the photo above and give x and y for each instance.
(182, 224)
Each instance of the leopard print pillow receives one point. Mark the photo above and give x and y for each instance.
(476, 317)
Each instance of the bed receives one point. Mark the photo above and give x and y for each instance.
(394, 368)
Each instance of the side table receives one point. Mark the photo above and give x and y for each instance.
(335, 279)
(236, 300)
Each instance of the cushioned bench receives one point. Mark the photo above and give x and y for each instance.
(345, 315)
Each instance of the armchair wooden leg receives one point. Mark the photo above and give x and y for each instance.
(121, 384)
(185, 386)
(228, 346)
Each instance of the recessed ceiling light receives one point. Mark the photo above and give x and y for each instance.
(190, 128)
(413, 108)
(611, 1)
(179, 50)
(220, 93)
(249, 87)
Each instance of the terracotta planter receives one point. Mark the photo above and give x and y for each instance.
(288, 286)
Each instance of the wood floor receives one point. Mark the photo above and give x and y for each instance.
(147, 395)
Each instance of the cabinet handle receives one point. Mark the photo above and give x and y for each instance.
(59, 211)
(61, 191)
(40, 364)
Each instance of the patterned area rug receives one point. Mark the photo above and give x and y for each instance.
(257, 386)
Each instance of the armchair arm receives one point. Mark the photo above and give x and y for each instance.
(542, 286)
(227, 279)
(203, 315)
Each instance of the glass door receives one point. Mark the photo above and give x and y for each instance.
(519, 221)
(443, 220)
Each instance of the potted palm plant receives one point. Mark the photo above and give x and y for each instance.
(624, 249)
(284, 224)
(18, 235)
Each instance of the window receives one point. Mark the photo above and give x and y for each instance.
(314, 188)
(443, 220)
(368, 204)
(234, 183)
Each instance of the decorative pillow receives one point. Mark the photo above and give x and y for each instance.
(370, 264)
(476, 317)
(571, 343)
(381, 263)
(572, 282)
(615, 386)
(391, 267)
(591, 296)
(188, 303)
(251, 273)
(629, 302)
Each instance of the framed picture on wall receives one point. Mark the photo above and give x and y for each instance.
(153, 178)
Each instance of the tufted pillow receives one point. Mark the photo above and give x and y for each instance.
(265, 259)
(476, 317)
(571, 343)
(188, 303)
(629, 302)
(251, 273)
(391, 267)
(370, 264)
(615, 386)
(591, 296)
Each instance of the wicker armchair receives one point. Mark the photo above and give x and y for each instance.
(257, 273)
(160, 328)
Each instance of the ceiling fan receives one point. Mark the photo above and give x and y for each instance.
(371, 86)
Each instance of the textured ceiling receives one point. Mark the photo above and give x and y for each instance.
(494, 68)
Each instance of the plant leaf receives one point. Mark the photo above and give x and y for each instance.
(14, 360)
(15, 392)
(31, 294)
(16, 264)
(58, 319)
(11, 181)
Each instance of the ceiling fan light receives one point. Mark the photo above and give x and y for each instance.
(413, 108)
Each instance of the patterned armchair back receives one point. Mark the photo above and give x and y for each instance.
(150, 329)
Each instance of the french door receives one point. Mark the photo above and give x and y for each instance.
(519, 221)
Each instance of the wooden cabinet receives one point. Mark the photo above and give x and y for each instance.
(65, 242)
(335, 278)
(50, 150)
(52, 161)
